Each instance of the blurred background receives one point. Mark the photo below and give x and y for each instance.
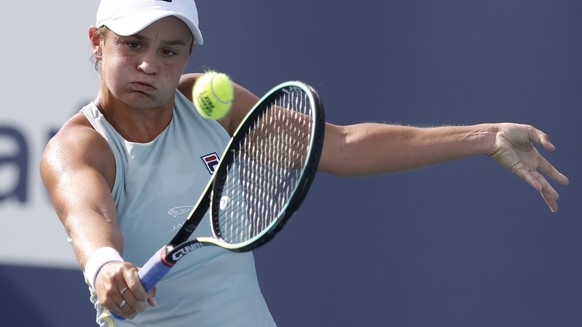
(463, 243)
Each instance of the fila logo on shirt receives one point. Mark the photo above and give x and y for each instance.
(211, 160)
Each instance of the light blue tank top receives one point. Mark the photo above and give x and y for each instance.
(156, 186)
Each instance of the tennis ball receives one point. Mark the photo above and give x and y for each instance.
(212, 95)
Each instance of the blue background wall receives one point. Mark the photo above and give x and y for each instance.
(459, 244)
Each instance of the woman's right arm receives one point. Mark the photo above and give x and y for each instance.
(78, 171)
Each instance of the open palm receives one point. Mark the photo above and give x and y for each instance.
(514, 149)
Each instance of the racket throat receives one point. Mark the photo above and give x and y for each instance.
(166, 258)
(174, 254)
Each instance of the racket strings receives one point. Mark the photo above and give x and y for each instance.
(266, 168)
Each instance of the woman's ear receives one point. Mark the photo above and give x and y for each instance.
(95, 43)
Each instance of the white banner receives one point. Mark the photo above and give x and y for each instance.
(46, 76)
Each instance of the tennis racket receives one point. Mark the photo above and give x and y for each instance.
(264, 175)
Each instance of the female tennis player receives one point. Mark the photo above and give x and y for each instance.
(125, 171)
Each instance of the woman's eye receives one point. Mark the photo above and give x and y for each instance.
(133, 45)
(169, 53)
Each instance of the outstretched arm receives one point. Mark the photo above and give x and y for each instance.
(78, 169)
(365, 149)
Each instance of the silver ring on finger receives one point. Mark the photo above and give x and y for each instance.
(123, 291)
(122, 304)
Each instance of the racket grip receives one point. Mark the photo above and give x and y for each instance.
(151, 273)
(154, 270)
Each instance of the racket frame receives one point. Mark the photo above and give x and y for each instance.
(300, 190)
(180, 245)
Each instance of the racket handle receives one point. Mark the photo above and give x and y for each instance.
(151, 273)
(154, 270)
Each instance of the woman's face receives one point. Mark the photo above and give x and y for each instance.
(143, 70)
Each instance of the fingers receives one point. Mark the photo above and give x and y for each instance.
(120, 290)
(131, 304)
(152, 297)
(124, 309)
(548, 193)
(540, 183)
(534, 174)
(543, 139)
(528, 176)
(549, 170)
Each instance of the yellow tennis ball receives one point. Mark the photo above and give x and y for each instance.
(212, 95)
